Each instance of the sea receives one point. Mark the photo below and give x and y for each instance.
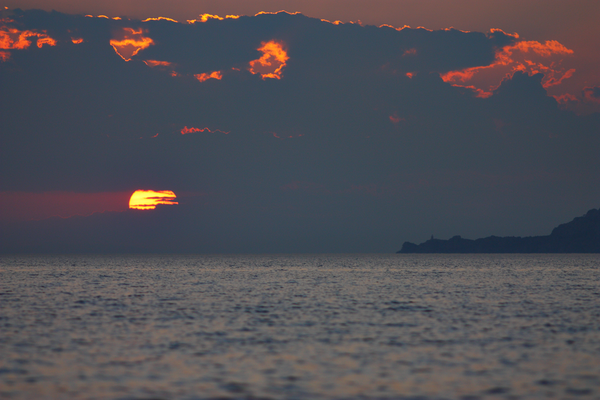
(353, 326)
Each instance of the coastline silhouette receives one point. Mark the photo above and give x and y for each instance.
(581, 235)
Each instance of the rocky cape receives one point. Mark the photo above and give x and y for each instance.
(582, 235)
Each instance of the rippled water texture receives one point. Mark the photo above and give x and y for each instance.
(300, 327)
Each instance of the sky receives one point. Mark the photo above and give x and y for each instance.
(336, 126)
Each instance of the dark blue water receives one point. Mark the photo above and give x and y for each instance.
(300, 327)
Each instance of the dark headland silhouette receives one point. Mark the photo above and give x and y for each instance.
(582, 235)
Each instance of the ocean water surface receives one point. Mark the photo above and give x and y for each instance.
(300, 327)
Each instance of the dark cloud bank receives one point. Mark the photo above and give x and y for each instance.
(344, 153)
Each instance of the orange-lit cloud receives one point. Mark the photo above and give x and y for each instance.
(206, 17)
(14, 39)
(206, 76)
(156, 63)
(514, 34)
(357, 22)
(162, 65)
(160, 19)
(276, 12)
(187, 130)
(45, 40)
(398, 29)
(337, 22)
(565, 98)
(102, 16)
(592, 94)
(546, 50)
(149, 199)
(271, 63)
(77, 40)
(129, 42)
(530, 57)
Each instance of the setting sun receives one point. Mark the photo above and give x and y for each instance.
(149, 199)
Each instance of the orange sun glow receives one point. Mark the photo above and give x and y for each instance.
(149, 199)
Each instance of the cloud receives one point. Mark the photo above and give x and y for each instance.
(160, 19)
(156, 63)
(206, 17)
(12, 38)
(211, 75)
(525, 56)
(272, 62)
(343, 138)
(187, 130)
(592, 94)
(566, 98)
(129, 41)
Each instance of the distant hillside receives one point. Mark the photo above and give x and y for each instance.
(582, 235)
